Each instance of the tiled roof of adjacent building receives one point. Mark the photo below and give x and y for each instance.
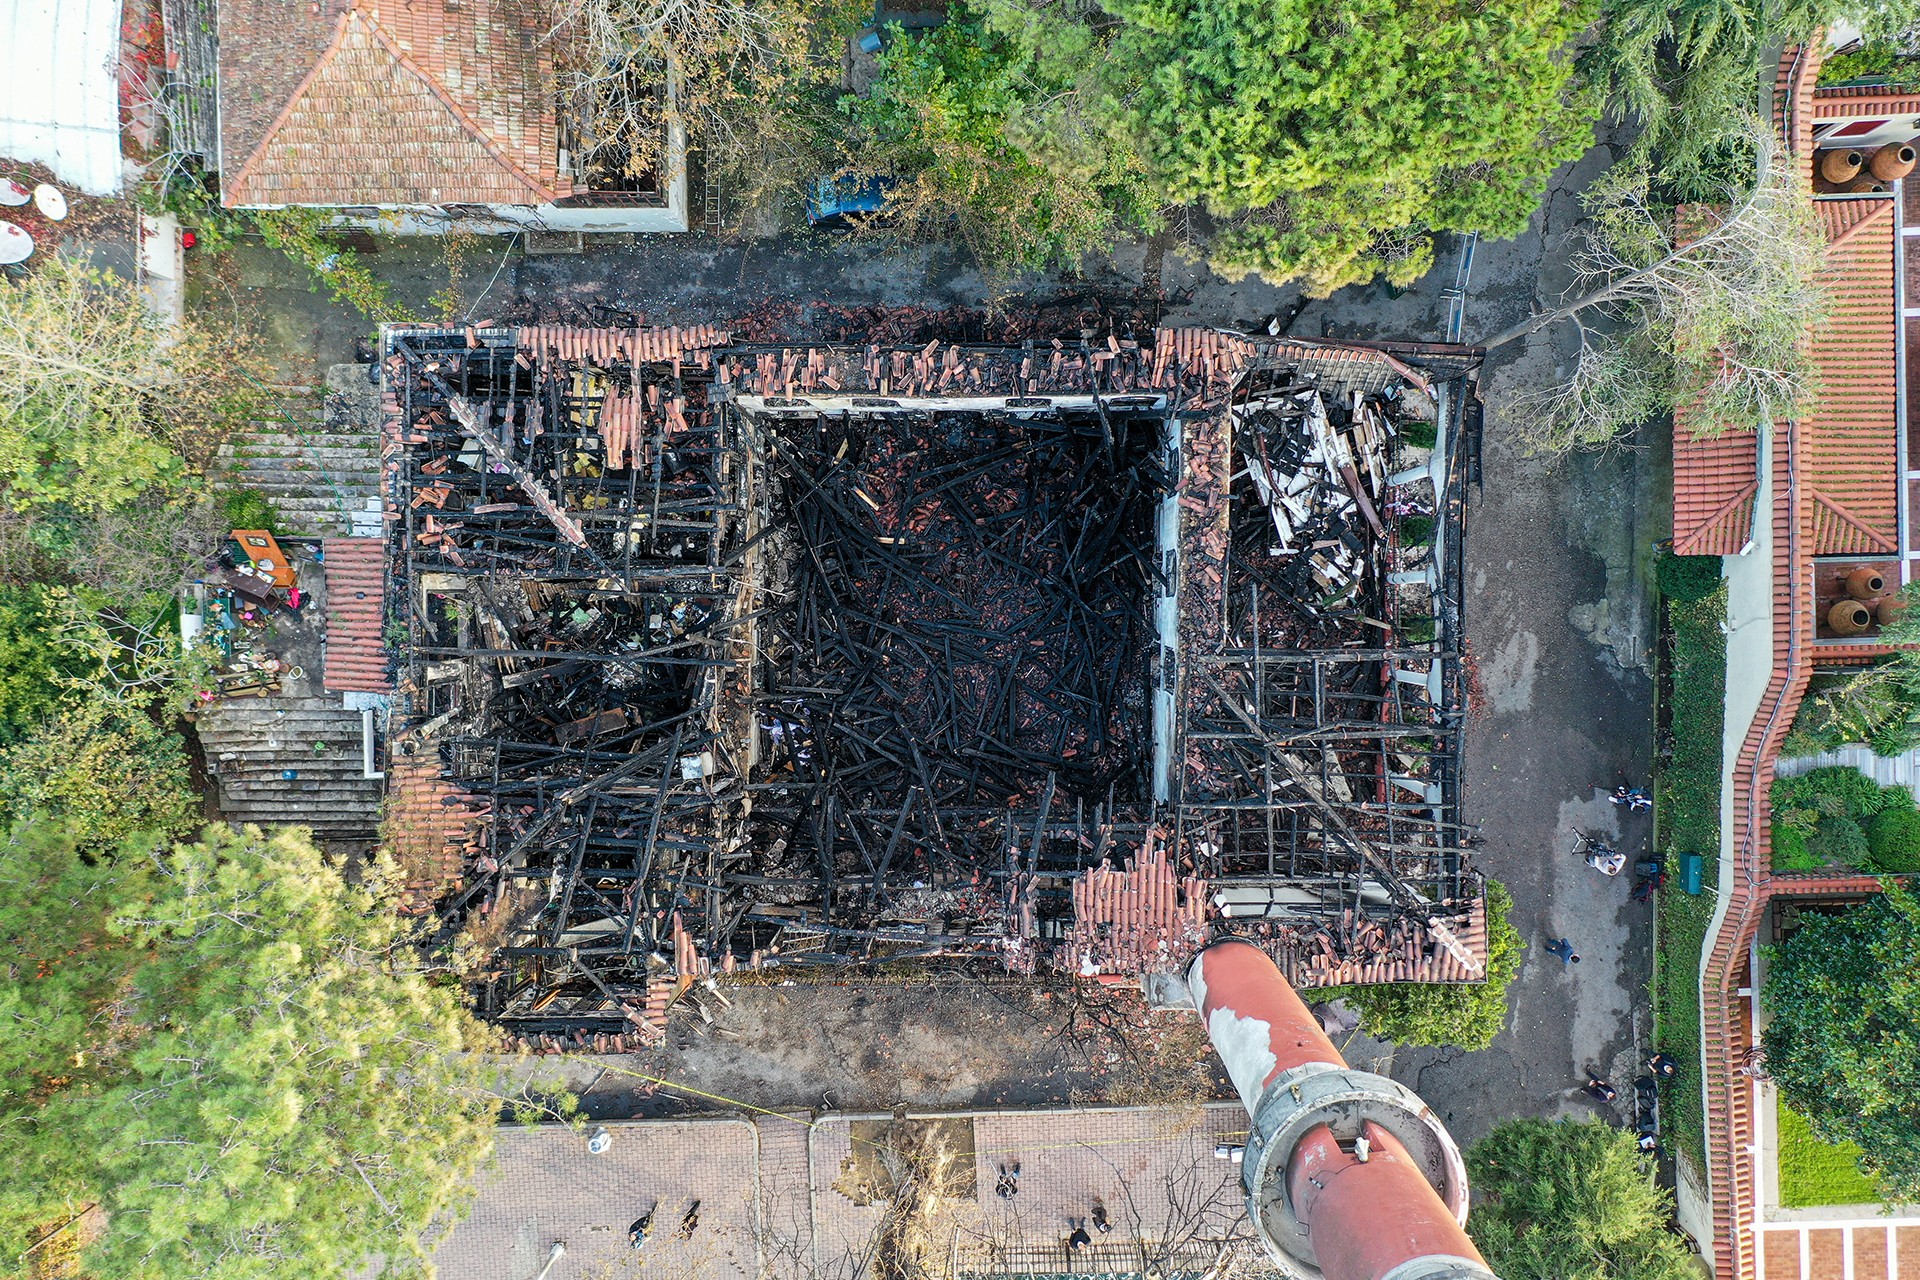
(360, 103)
(1846, 448)
(1715, 480)
(1833, 490)
(356, 606)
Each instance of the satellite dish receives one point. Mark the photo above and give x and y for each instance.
(15, 245)
(12, 193)
(48, 200)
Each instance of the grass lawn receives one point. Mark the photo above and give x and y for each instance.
(1814, 1173)
(1688, 791)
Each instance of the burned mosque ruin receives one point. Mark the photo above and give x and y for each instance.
(714, 656)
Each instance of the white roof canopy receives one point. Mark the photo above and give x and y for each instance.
(59, 96)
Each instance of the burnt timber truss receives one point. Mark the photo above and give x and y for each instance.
(757, 656)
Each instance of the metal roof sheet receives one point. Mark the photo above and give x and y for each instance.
(59, 94)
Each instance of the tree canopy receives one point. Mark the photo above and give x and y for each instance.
(100, 399)
(937, 122)
(1571, 1201)
(1329, 140)
(1843, 1045)
(234, 1051)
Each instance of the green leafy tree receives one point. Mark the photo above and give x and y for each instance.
(1571, 1201)
(101, 399)
(236, 1052)
(1329, 141)
(1843, 1044)
(1469, 1015)
(32, 664)
(937, 123)
(102, 772)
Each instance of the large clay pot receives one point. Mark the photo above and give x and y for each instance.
(1867, 186)
(1865, 583)
(1887, 609)
(1895, 160)
(1849, 618)
(1840, 165)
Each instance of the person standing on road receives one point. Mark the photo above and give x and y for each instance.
(1563, 948)
(1601, 1089)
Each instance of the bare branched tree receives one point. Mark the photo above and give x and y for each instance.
(728, 76)
(1696, 308)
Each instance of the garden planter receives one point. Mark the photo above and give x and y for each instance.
(1840, 166)
(1867, 186)
(1865, 583)
(1849, 618)
(1887, 609)
(1895, 160)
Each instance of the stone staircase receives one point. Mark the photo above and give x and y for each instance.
(317, 457)
(252, 743)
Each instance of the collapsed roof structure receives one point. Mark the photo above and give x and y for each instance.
(1070, 654)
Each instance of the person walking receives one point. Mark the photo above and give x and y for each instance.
(1563, 948)
(1601, 1089)
(1079, 1239)
(1009, 1184)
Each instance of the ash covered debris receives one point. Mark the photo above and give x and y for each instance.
(1067, 653)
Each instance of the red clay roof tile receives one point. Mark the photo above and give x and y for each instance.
(356, 104)
(1714, 484)
(356, 649)
(1847, 447)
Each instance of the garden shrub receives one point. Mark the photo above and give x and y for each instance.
(1893, 841)
(1824, 817)
(1420, 435)
(1687, 577)
(249, 509)
(1839, 840)
(1416, 531)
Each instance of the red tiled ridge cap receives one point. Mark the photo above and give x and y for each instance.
(1835, 102)
(356, 650)
(1793, 90)
(1843, 218)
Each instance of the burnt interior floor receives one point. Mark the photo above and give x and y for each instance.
(1058, 655)
(961, 639)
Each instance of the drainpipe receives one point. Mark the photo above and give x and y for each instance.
(1349, 1175)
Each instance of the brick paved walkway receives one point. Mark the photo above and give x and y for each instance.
(788, 1196)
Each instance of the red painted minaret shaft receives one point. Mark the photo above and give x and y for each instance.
(1346, 1171)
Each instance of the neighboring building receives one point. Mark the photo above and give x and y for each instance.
(1796, 508)
(412, 116)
